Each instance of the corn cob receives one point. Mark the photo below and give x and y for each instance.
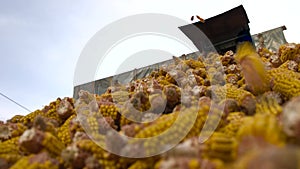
(18, 129)
(252, 68)
(220, 146)
(156, 130)
(142, 164)
(65, 108)
(104, 158)
(9, 146)
(38, 161)
(288, 52)
(64, 132)
(109, 110)
(262, 125)
(268, 106)
(10, 158)
(28, 119)
(90, 146)
(15, 119)
(234, 122)
(48, 111)
(244, 98)
(34, 141)
(189, 163)
(284, 81)
(290, 65)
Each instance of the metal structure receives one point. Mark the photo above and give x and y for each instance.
(224, 30)
(271, 39)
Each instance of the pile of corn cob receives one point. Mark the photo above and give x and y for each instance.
(245, 104)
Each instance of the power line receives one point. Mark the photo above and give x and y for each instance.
(15, 102)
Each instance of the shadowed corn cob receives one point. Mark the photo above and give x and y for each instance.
(220, 146)
(9, 151)
(157, 129)
(268, 106)
(34, 141)
(36, 161)
(64, 132)
(143, 164)
(262, 125)
(82, 149)
(234, 122)
(10, 158)
(199, 122)
(252, 67)
(9, 146)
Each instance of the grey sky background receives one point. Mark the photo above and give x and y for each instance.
(41, 40)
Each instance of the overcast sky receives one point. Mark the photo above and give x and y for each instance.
(41, 40)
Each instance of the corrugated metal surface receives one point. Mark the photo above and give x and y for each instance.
(271, 39)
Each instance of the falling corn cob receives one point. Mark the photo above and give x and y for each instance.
(252, 68)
